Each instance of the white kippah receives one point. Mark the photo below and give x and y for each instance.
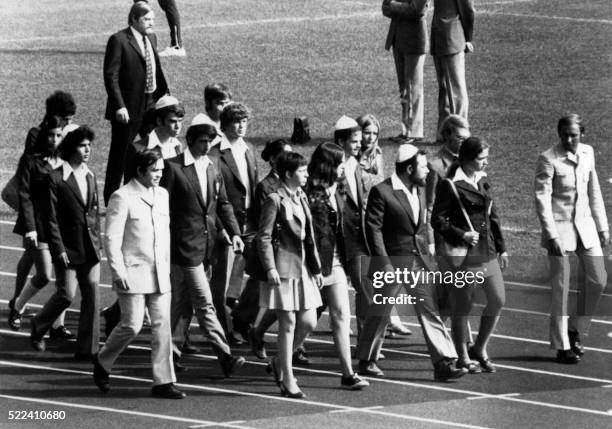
(202, 119)
(68, 128)
(345, 123)
(406, 151)
(165, 101)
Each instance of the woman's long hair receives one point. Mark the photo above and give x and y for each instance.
(324, 163)
(470, 149)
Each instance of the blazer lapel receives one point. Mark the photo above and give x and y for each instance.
(192, 176)
(251, 167)
(403, 201)
(358, 182)
(228, 157)
(74, 187)
(211, 182)
(91, 189)
(134, 43)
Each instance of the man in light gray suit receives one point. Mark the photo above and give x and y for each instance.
(573, 218)
(137, 245)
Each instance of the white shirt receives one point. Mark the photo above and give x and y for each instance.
(201, 165)
(460, 175)
(168, 149)
(139, 39)
(239, 150)
(331, 194)
(349, 173)
(413, 196)
(80, 174)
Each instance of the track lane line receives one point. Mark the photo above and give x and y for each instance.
(256, 395)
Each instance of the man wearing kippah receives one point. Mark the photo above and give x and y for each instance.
(395, 226)
(134, 81)
(408, 37)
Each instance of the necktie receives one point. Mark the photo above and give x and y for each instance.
(149, 64)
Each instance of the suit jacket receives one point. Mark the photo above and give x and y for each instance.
(279, 240)
(32, 178)
(354, 218)
(125, 75)
(408, 28)
(137, 238)
(568, 197)
(439, 163)
(221, 154)
(391, 229)
(268, 184)
(193, 223)
(72, 225)
(327, 225)
(448, 220)
(452, 26)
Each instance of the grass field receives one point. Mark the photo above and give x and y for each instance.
(534, 60)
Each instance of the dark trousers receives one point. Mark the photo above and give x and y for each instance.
(122, 135)
(174, 21)
(87, 277)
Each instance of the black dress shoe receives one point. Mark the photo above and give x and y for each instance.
(230, 364)
(234, 339)
(37, 342)
(567, 356)
(258, 346)
(177, 365)
(300, 357)
(575, 344)
(167, 391)
(369, 368)
(444, 371)
(100, 376)
(85, 357)
(241, 327)
(14, 317)
(60, 333)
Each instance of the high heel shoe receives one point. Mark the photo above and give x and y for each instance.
(294, 395)
(485, 363)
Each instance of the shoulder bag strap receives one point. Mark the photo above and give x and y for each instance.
(465, 215)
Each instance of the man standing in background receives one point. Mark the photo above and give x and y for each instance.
(408, 37)
(134, 81)
(451, 37)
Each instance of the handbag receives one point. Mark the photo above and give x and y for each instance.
(10, 193)
(455, 254)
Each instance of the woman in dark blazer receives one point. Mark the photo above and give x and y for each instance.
(287, 251)
(327, 208)
(247, 311)
(486, 256)
(34, 167)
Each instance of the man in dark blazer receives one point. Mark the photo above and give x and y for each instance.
(235, 160)
(134, 80)
(452, 27)
(198, 200)
(395, 229)
(347, 134)
(408, 37)
(73, 233)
